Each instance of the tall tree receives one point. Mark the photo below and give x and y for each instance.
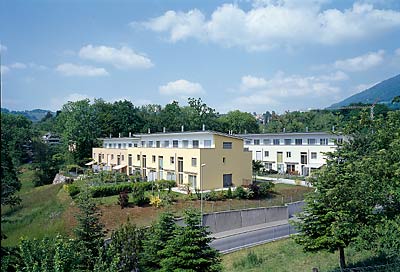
(8, 176)
(189, 249)
(89, 231)
(79, 128)
(357, 189)
(239, 122)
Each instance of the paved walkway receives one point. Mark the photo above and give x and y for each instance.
(233, 232)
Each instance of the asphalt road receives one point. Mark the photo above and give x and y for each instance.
(251, 238)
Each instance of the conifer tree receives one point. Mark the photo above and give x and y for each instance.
(189, 249)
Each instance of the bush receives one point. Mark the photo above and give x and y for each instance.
(254, 191)
(123, 199)
(250, 261)
(240, 193)
(138, 197)
(166, 184)
(229, 194)
(266, 188)
(72, 189)
(115, 189)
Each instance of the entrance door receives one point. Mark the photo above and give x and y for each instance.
(227, 180)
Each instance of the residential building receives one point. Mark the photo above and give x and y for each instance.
(51, 139)
(293, 153)
(216, 159)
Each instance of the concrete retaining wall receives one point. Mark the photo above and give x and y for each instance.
(295, 207)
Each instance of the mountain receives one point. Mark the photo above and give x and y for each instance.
(382, 92)
(33, 115)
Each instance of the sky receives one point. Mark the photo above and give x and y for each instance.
(255, 56)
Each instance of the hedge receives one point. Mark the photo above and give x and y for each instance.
(115, 189)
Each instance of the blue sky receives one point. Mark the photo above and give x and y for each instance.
(249, 55)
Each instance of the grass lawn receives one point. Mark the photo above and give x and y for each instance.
(287, 256)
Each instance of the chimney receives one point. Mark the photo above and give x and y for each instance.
(284, 130)
(245, 131)
(333, 128)
(204, 127)
(119, 135)
(306, 129)
(130, 134)
(163, 130)
(148, 130)
(110, 135)
(183, 128)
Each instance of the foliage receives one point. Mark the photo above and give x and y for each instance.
(189, 248)
(48, 254)
(240, 193)
(89, 231)
(123, 199)
(265, 188)
(115, 189)
(138, 196)
(8, 176)
(357, 189)
(165, 184)
(229, 193)
(155, 241)
(155, 201)
(45, 161)
(71, 189)
(123, 251)
(251, 260)
(239, 122)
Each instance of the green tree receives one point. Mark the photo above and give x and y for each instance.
(89, 231)
(198, 113)
(239, 122)
(189, 249)
(256, 166)
(357, 189)
(155, 242)
(171, 116)
(8, 176)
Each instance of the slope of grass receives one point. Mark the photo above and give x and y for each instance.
(287, 256)
(39, 214)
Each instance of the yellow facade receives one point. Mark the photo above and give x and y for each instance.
(185, 165)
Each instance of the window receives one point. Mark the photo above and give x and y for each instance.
(153, 158)
(138, 157)
(129, 145)
(340, 140)
(135, 145)
(112, 156)
(266, 153)
(109, 145)
(157, 143)
(303, 158)
(193, 181)
(166, 143)
(124, 145)
(311, 141)
(207, 143)
(288, 141)
(266, 141)
(279, 157)
(171, 176)
(268, 166)
(150, 144)
(175, 143)
(256, 142)
(143, 143)
(323, 141)
(313, 155)
(122, 157)
(105, 145)
(172, 160)
(194, 161)
(227, 145)
(288, 154)
(276, 141)
(298, 141)
(115, 145)
(248, 142)
(130, 159)
(185, 143)
(102, 156)
(223, 159)
(195, 143)
(119, 145)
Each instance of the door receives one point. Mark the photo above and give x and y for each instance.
(227, 180)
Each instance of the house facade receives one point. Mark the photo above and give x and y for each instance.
(190, 158)
(292, 153)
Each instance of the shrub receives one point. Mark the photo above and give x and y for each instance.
(138, 197)
(240, 193)
(266, 188)
(123, 199)
(166, 184)
(155, 201)
(254, 191)
(229, 194)
(115, 189)
(72, 189)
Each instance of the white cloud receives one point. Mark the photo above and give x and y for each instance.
(57, 102)
(276, 23)
(361, 63)
(251, 82)
(3, 48)
(69, 69)
(121, 58)
(181, 87)
(18, 65)
(337, 76)
(4, 69)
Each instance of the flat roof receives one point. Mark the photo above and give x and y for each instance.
(286, 134)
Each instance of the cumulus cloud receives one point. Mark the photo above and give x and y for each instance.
(276, 23)
(361, 63)
(181, 87)
(69, 69)
(122, 58)
(4, 69)
(251, 82)
(56, 103)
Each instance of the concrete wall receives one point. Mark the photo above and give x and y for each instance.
(295, 207)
